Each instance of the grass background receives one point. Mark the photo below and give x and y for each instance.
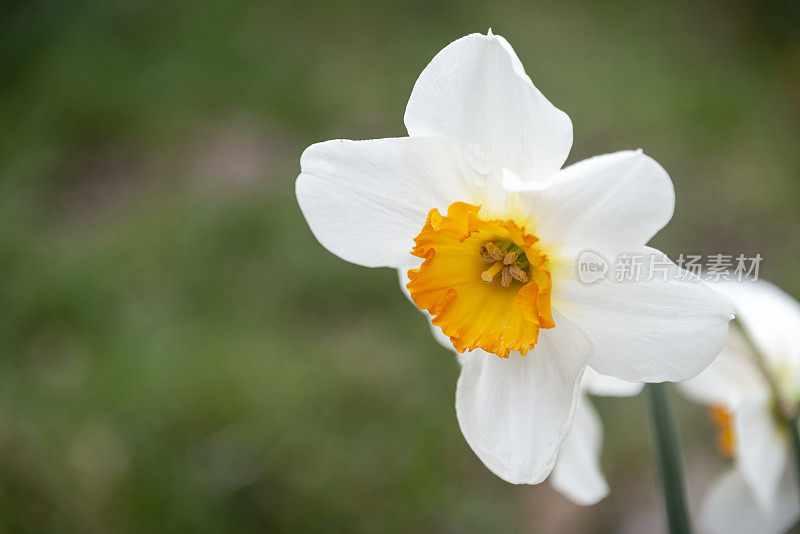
(180, 355)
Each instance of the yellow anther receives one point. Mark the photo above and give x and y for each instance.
(517, 274)
(510, 258)
(505, 279)
(491, 252)
(489, 274)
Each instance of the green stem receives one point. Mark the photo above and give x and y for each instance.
(669, 457)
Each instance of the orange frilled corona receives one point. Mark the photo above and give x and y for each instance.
(723, 421)
(484, 281)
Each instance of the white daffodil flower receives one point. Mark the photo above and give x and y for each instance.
(747, 388)
(474, 209)
(577, 474)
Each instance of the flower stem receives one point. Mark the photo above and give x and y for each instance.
(669, 457)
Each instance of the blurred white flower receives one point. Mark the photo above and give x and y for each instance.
(747, 390)
(577, 474)
(478, 193)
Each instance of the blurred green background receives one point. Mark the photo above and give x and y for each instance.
(178, 352)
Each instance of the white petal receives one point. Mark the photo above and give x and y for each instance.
(365, 201)
(515, 412)
(730, 378)
(608, 386)
(476, 93)
(649, 331)
(730, 508)
(772, 320)
(615, 202)
(577, 474)
(761, 449)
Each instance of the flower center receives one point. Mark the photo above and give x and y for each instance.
(723, 421)
(506, 258)
(485, 282)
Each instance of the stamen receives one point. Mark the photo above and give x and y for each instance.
(510, 264)
(505, 279)
(517, 274)
(489, 274)
(492, 252)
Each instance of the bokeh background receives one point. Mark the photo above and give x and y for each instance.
(177, 352)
